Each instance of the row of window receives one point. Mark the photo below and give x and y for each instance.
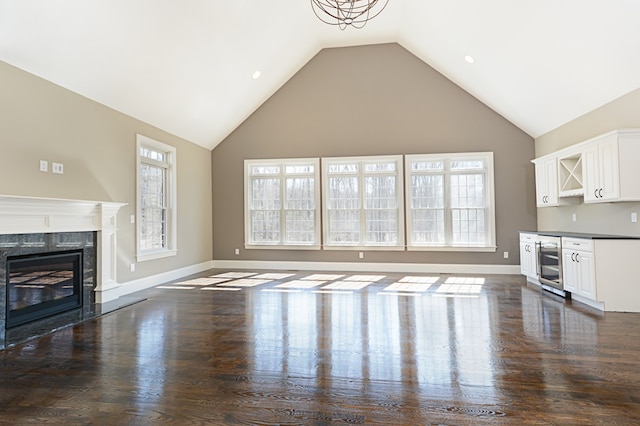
(362, 202)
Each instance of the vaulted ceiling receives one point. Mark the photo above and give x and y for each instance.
(186, 66)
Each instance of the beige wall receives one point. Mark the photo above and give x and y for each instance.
(609, 218)
(42, 121)
(373, 100)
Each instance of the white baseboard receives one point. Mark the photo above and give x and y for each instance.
(428, 268)
(154, 280)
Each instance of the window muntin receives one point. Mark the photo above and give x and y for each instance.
(450, 203)
(282, 199)
(156, 207)
(363, 202)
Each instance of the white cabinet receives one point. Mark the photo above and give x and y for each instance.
(547, 182)
(528, 260)
(578, 268)
(610, 167)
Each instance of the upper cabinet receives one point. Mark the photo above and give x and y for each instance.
(547, 183)
(602, 169)
(612, 168)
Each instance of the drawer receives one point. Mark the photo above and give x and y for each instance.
(577, 244)
(528, 238)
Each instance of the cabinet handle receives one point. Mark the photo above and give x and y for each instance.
(577, 259)
(600, 193)
(572, 257)
(595, 193)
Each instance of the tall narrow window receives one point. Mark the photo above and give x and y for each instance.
(281, 203)
(450, 203)
(363, 202)
(156, 199)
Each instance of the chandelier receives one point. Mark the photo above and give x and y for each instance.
(346, 13)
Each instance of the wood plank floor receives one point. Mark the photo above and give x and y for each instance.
(313, 349)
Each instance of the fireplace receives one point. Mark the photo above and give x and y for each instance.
(42, 285)
(33, 229)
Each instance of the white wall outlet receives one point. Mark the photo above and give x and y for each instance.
(132, 218)
(506, 254)
(574, 217)
(237, 252)
(634, 217)
(361, 255)
(44, 166)
(57, 168)
(132, 267)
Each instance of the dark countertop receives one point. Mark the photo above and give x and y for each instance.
(588, 236)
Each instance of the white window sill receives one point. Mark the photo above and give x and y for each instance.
(453, 248)
(280, 247)
(155, 255)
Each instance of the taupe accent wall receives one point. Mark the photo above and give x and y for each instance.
(607, 218)
(373, 100)
(97, 145)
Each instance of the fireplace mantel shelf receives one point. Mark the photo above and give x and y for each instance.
(31, 215)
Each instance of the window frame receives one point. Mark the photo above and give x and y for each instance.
(489, 199)
(282, 176)
(361, 174)
(170, 246)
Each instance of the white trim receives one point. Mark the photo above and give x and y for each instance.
(426, 268)
(144, 283)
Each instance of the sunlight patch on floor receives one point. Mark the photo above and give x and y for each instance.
(245, 282)
(347, 285)
(300, 284)
(322, 277)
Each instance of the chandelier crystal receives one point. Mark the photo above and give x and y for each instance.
(345, 13)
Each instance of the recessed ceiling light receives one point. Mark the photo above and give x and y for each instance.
(469, 59)
(256, 75)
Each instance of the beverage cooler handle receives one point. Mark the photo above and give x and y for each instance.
(538, 262)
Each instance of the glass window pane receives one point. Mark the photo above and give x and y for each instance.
(427, 165)
(265, 170)
(466, 164)
(380, 192)
(343, 193)
(428, 227)
(265, 194)
(300, 226)
(300, 169)
(427, 191)
(344, 226)
(300, 193)
(265, 226)
(380, 167)
(382, 227)
(343, 168)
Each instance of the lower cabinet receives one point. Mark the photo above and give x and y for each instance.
(603, 273)
(579, 275)
(528, 261)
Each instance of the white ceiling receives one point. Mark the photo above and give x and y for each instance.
(186, 66)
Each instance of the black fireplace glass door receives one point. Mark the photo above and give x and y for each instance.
(41, 285)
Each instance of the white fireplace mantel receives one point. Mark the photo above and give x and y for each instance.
(29, 215)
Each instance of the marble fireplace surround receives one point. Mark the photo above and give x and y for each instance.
(31, 215)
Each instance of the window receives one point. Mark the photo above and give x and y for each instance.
(156, 199)
(363, 202)
(281, 203)
(450, 202)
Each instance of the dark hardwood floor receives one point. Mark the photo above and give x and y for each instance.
(442, 350)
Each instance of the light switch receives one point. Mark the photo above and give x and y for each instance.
(44, 166)
(634, 217)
